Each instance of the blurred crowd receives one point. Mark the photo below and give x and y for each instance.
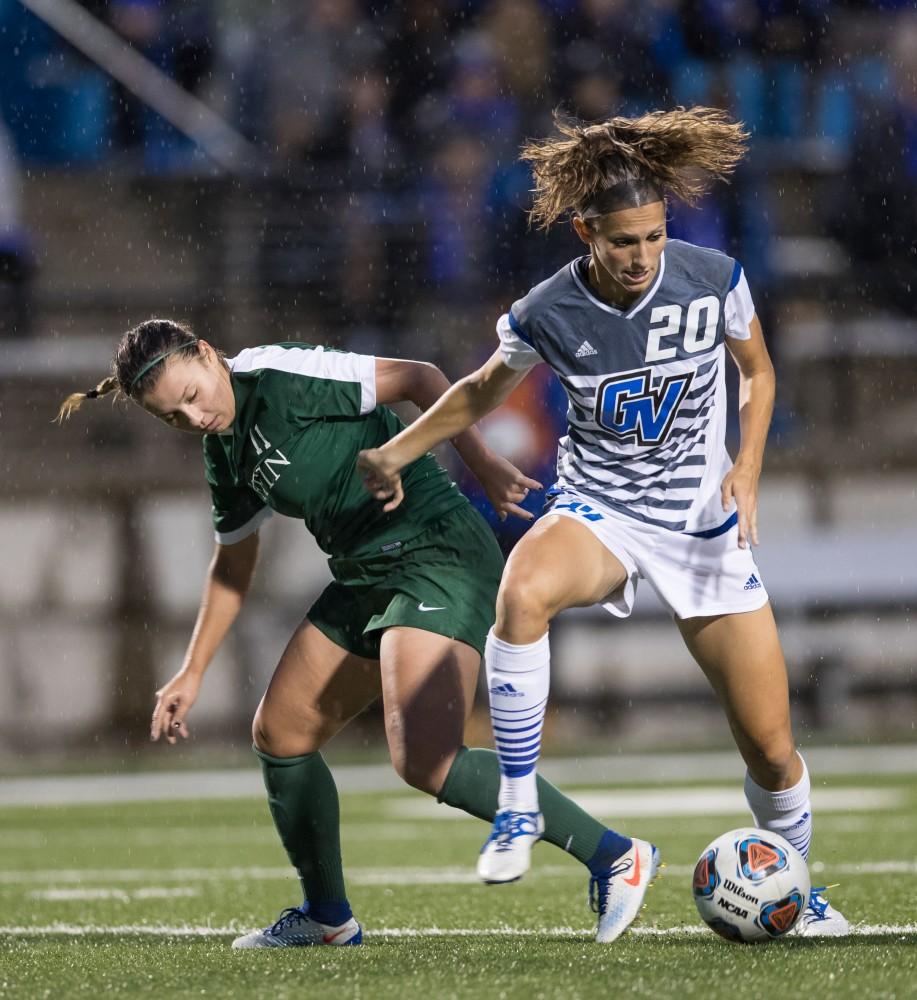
(403, 119)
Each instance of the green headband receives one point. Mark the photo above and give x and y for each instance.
(157, 359)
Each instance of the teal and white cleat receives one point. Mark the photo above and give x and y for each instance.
(617, 896)
(820, 919)
(294, 928)
(507, 852)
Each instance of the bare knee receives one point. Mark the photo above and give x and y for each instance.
(267, 737)
(272, 736)
(525, 607)
(426, 771)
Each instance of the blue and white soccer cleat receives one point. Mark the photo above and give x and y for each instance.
(294, 928)
(617, 896)
(820, 919)
(507, 852)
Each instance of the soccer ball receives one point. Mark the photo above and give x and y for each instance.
(751, 885)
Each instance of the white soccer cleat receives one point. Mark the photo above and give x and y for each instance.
(820, 919)
(294, 928)
(617, 897)
(507, 852)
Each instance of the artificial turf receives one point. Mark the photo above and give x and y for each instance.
(142, 898)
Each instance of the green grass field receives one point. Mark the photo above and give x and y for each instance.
(144, 898)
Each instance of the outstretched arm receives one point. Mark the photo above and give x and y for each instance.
(228, 579)
(756, 403)
(422, 384)
(449, 418)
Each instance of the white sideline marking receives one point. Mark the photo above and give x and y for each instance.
(672, 802)
(355, 876)
(151, 892)
(869, 868)
(143, 874)
(23, 838)
(630, 768)
(457, 875)
(397, 830)
(184, 930)
(816, 867)
(263, 835)
(351, 832)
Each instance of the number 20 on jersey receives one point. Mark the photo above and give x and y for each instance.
(699, 328)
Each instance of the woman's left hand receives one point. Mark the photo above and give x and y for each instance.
(741, 485)
(505, 486)
(381, 477)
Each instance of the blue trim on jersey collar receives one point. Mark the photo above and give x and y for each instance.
(638, 305)
(721, 530)
(736, 274)
(516, 327)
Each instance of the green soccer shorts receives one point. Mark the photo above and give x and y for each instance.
(443, 580)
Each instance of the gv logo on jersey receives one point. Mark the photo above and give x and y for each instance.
(630, 408)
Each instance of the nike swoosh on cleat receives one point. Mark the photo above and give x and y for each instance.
(328, 938)
(423, 607)
(635, 877)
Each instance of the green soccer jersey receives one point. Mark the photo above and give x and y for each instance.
(302, 415)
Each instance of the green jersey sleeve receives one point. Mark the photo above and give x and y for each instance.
(236, 509)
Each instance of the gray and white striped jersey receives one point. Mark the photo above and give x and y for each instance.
(646, 388)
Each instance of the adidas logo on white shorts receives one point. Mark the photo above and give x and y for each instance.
(752, 583)
(585, 350)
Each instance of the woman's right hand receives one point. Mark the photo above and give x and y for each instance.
(173, 702)
(381, 477)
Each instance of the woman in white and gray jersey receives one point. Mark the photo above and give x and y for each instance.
(637, 330)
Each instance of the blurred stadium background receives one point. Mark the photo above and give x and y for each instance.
(355, 184)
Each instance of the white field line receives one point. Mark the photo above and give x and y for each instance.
(670, 802)
(26, 840)
(149, 892)
(185, 930)
(836, 823)
(371, 876)
(76, 875)
(619, 769)
(30, 839)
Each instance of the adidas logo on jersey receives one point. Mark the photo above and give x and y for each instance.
(585, 350)
(507, 690)
(752, 583)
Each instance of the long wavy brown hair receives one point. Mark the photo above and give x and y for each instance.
(682, 152)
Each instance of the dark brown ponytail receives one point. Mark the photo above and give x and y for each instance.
(138, 362)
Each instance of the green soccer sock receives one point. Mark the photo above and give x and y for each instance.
(303, 800)
(474, 781)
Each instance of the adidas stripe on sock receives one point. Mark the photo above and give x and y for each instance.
(788, 812)
(518, 679)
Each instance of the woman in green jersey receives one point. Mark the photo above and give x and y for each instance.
(405, 617)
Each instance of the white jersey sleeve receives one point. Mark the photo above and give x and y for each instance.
(350, 378)
(517, 354)
(739, 310)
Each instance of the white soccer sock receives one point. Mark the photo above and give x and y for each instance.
(518, 678)
(788, 812)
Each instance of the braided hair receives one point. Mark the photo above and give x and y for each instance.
(138, 362)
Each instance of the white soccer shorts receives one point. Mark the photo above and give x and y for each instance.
(694, 576)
